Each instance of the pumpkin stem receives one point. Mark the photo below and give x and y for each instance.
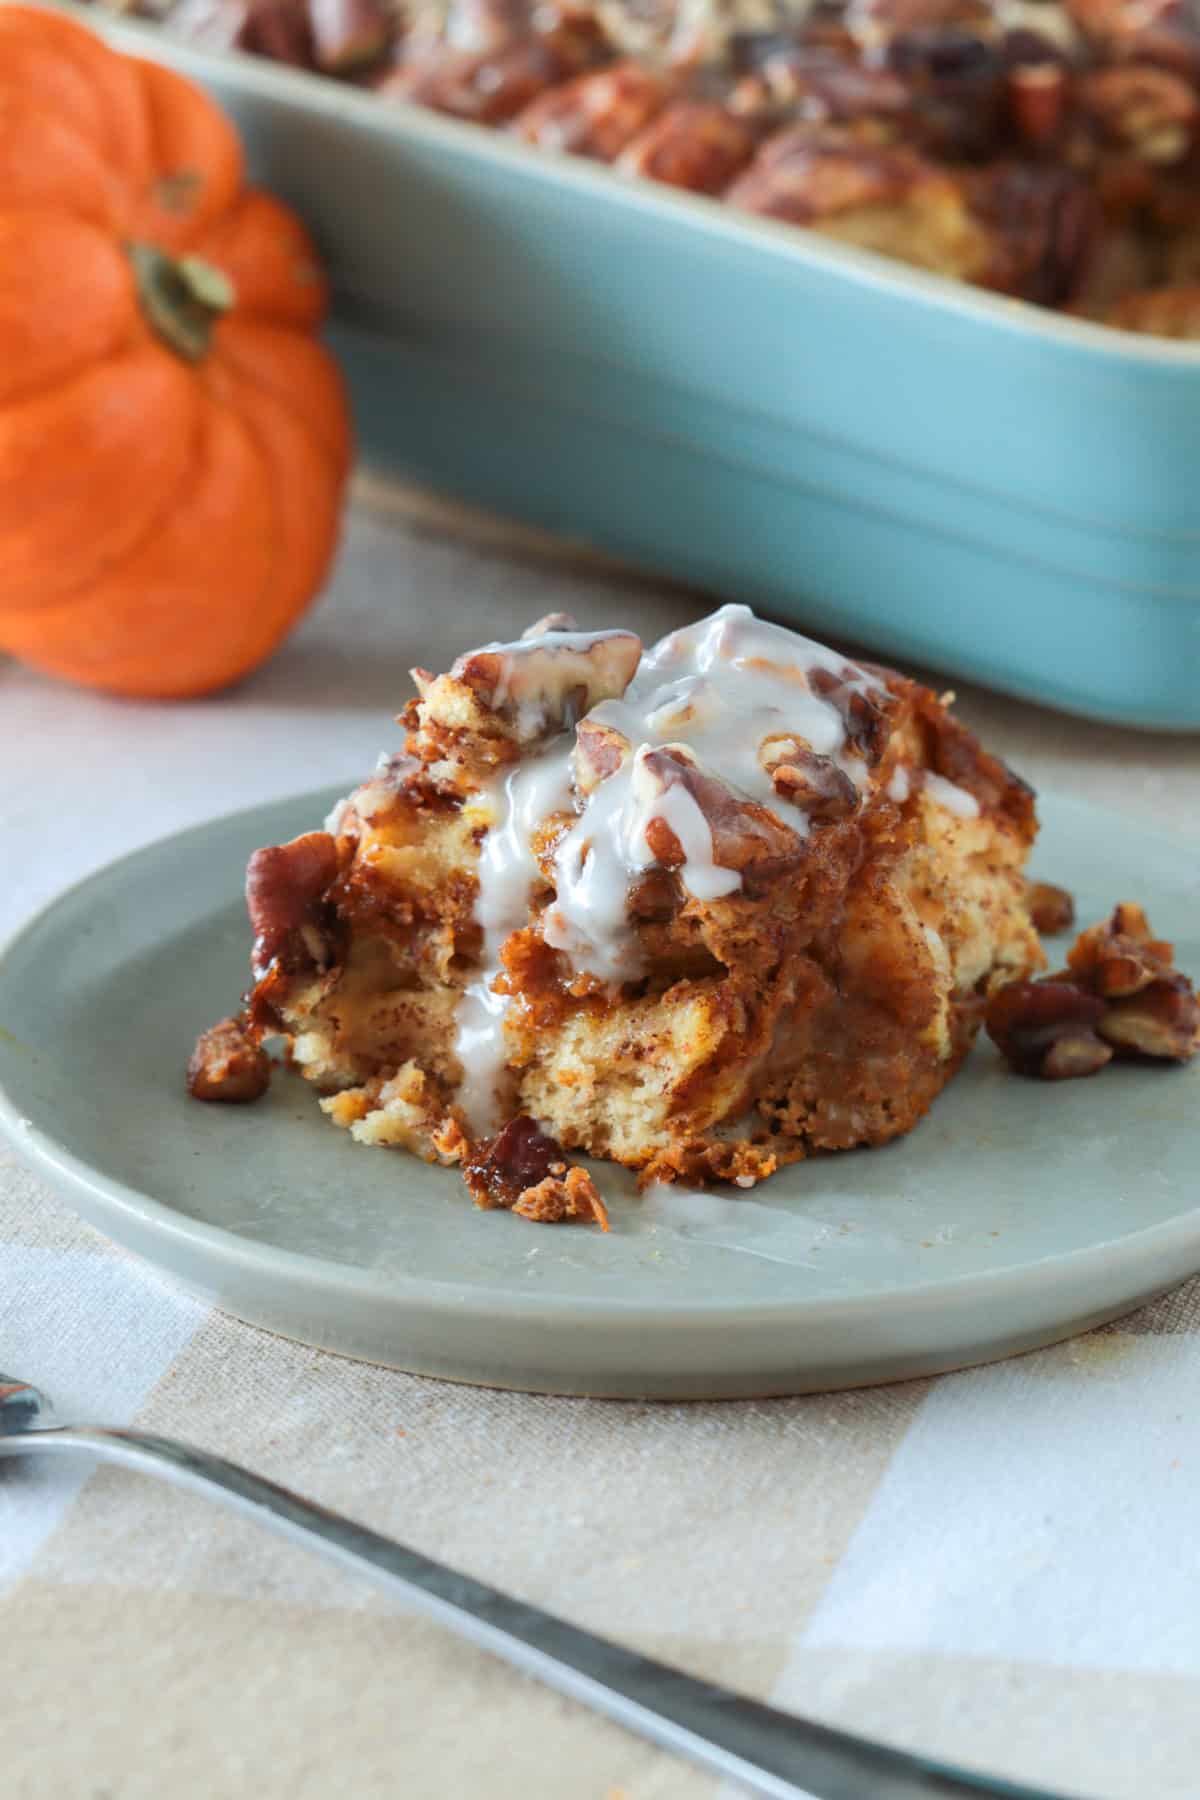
(182, 297)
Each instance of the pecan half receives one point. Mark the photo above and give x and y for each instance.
(228, 1064)
(284, 884)
(1051, 908)
(1048, 1028)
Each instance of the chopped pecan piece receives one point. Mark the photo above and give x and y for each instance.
(694, 144)
(778, 70)
(1120, 988)
(803, 177)
(1068, 1058)
(597, 114)
(746, 838)
(555, 1198)
(875, 21)
(1037, 94)
(486, 60)
(956, 82)
(488, 87)
(541, 684)
(348, 34)
(284, 884)
(1142, 109)
(600, 750)
(1162, 1021)
(654, 897)
(1043, 221)
(1122, 956)
(523, 1170)
(279, 29)
(1028, 1020)
(228, 1064)
(499, 1169)
(1051, 908)
(865, 719)
(805, 779)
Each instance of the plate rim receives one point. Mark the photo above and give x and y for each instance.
(106, 1196)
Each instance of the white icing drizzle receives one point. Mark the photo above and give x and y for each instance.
(948, 794)
(899, 787)
(518, 804)
(718, 688)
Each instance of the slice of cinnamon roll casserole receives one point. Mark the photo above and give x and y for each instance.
(701, 909)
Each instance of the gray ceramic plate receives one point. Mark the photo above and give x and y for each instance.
(1016, 1214)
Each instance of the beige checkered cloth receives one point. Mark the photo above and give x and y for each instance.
(1001, 1566)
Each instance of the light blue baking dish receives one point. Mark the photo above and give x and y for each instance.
(949, 477)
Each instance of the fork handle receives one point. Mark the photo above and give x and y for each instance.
(767, 1751)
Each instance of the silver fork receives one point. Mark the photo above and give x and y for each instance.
(767, 1751)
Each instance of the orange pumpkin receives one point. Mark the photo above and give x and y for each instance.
(174, 441)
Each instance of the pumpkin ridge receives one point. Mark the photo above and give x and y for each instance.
(99, 571)
(190, 136)
(253, 425)
(141, 659)
(116, 104)
(246, 371)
